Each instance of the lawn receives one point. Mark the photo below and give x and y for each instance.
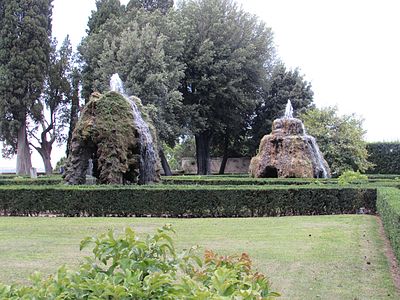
(311, 257)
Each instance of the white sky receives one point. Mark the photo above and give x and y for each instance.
(348, 49)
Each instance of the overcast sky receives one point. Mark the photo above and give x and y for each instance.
(348, 49)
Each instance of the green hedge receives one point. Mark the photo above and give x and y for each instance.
(388, 206)
(185, 201)
(227, 180)
(29, 181)
(385, 156)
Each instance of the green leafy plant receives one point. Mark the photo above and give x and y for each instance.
(352, 177)
(127, 267)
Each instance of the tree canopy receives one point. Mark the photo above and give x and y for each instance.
(340, 139)
(226, 53)
(25, 30)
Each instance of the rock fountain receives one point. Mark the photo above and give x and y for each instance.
(289, 152)
(114, 134)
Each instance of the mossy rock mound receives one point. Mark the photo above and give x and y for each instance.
(106, 134)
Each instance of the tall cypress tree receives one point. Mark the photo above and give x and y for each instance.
(25, 30)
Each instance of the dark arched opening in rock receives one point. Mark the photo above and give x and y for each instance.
(270, 172)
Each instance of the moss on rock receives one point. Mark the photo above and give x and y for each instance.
(106, 134)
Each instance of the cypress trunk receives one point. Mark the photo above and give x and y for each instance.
(203, 140)
(24, 163)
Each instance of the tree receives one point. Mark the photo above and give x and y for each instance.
(75, 81)
(56, 98)
(226, 51)
(143, 47)
(282, 85)
(340, 138)
(25, 30)
(92, 45)
(151, 5)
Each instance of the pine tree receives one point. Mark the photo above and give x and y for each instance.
(25, 30)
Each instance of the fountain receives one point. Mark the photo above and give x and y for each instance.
(288, 151)
(148, 156)
(116, 137)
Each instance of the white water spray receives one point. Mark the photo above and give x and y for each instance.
(288, 111)
(147, 173)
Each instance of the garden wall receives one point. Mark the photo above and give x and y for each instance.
(238, 165)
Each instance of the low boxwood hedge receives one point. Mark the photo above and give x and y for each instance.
(388, 206)
(185, 201)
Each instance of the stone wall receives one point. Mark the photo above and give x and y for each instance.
(237, 165)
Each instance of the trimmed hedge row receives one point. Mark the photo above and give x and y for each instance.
(385, 156)
(185, 201)
(388, 206)
(29, 181)
(215, 180)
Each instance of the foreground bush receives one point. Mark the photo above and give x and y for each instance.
(126, 267)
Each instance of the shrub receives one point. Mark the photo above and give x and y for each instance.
(126, 267)
(388, 206)
(385, 157)
(352, 177)
(185, 201)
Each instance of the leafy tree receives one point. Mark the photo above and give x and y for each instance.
(104, 17)
(25, 30)
(226, 51)
(105, 10)
(151, 5)
(143, 47)
(283, 85)
(55, 99)
(340, 138)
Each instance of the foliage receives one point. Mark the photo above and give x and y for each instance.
(226, 51)
(25, 28)
(60, 164)
(388, 206)
(348, 177)
(283, 85)
(55, 101)
(151, 5)
(340, 139)
(186, 201)
(143, 47)
(127, 267)
(385, 157)
(174, 155)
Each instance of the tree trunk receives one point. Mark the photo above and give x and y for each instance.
(24, 163)
(164, 163)
(224, 157)
(45, 153)
(74, 109)
(203, 140)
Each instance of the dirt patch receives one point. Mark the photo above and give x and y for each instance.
(394, 265)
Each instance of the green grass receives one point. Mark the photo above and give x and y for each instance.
(319, 257)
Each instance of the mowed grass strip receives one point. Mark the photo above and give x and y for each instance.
(312, 257)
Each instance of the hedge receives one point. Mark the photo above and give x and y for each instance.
(172, 201)
(227, 180)
(388, 206)
(30, 181)
(385, 156)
